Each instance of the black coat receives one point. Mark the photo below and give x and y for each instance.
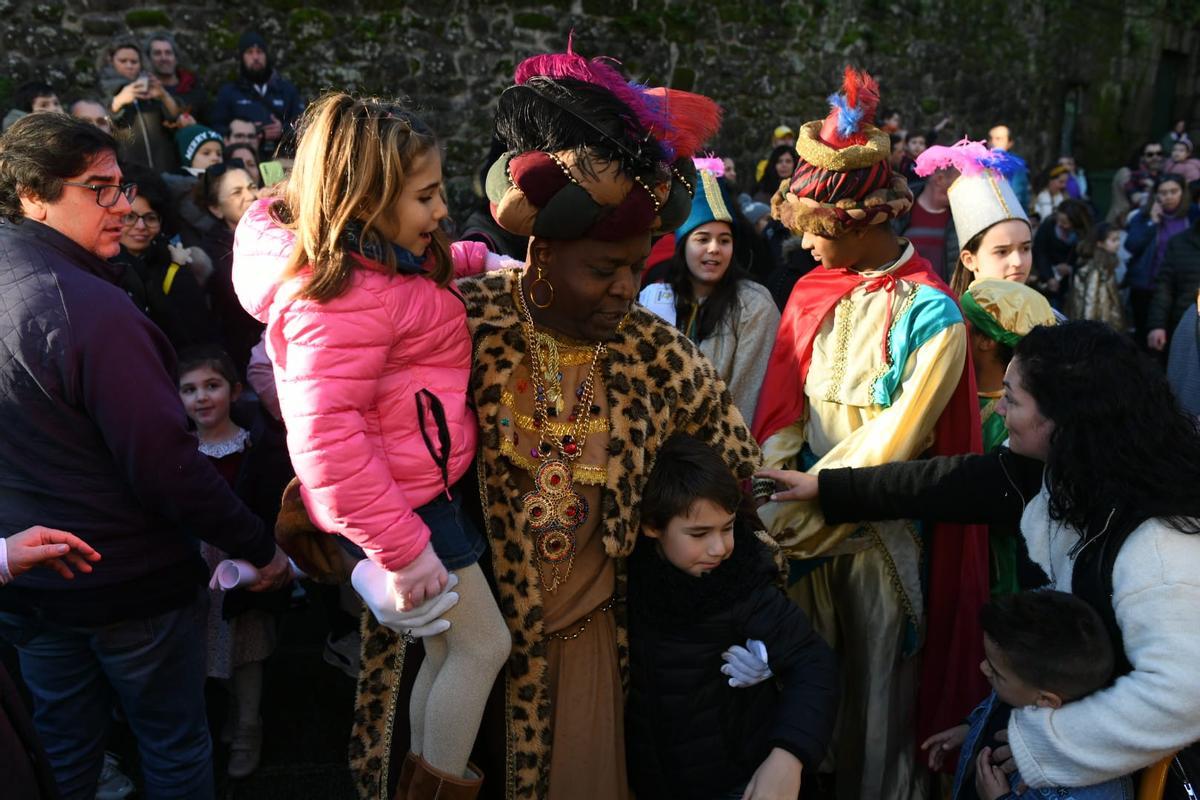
(688, 733)
(96, 441)
(1177, 280)
(262, 476)
(171, 298)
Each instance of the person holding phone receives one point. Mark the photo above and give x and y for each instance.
(140, 107)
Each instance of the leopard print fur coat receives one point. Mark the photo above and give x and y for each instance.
(657, 384)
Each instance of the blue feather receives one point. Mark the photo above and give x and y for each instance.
(849, 118)
(1005, 163)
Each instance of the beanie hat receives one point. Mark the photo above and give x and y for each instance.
(189, 139)
(753, 212)
(710, 204)
(981, 196)
(782, 131)
(843, 179)
(250, 39)
(1005, 310)
(592, 155)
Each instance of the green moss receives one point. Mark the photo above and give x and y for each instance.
(147, 18)
(534, 21)
(50, 13)
(283, 5)
(311, 24)
(220, 40)
(6, 89)
(733, 12)
(683, 78)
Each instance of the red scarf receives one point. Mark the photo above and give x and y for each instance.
(951, 683)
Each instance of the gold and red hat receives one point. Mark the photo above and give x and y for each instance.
(843, 179)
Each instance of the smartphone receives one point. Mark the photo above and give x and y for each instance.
(142, 83)
(271, 172)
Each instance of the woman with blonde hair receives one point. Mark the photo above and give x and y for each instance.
(351, 272)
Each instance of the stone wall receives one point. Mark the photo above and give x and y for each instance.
(766, 61)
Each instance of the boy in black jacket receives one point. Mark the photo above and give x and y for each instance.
(701, 581)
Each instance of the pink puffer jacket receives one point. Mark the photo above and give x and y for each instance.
(349, 372)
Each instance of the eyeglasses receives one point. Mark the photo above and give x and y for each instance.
(150, 219)
(108, 194)
(1152, 153)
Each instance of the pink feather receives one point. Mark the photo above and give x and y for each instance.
(969, 158)
(714, 165)
(594, 71)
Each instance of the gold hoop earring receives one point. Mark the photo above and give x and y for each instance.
(541, 279)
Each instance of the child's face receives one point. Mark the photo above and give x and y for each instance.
(1009, 688)
(207, 154)
(412, 221)
(1112, 242)
(698, 541)
(206, 396)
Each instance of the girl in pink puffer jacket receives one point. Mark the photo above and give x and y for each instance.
(372, 354)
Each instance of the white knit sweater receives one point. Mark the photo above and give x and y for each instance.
(1155, 709)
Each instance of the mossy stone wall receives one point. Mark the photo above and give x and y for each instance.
(766, 61)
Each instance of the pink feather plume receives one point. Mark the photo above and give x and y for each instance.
(714, 165)
(969, 158)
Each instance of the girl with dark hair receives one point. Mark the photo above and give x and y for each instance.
(780, 165)
(1101, 474)
(157, 272)
(991, 231)
(242, 626)
(1056, 249)
(1094, 290)
(713, 301)
(226, 192)
(1166, 216)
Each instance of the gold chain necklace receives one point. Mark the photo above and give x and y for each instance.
(554, 509)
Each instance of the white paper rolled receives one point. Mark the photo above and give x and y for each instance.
(235, 573)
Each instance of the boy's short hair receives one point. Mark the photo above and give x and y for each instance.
(26, 93)
(685, 471)
(1053, 641)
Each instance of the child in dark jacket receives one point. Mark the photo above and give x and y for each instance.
(1041, 648)
(701, 581)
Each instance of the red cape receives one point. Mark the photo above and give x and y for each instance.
(951, 682)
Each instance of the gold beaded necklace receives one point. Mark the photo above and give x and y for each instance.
(554, 509)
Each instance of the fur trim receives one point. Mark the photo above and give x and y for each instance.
(855, 156)
(803, 215)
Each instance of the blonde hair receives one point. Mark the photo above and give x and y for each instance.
(351, 161)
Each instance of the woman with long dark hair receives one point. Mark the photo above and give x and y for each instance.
(709, 297)
(1101, 472)
(780, 165)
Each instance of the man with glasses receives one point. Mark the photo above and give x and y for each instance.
(96, 443)
(1140, 186)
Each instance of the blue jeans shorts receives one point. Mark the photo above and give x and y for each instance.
(456, 540)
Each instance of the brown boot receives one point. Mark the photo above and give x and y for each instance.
(406, 775)
(431, 784)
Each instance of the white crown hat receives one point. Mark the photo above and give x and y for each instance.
(982, 195)
(977, 202)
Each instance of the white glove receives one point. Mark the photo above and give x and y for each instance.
(180, 255)
(746, 666)
(373, 585)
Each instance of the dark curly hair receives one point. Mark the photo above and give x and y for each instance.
(1121, 444)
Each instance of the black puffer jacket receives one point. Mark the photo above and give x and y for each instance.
(688, 733)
